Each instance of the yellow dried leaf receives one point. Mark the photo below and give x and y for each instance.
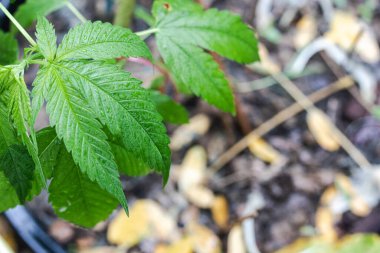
(203, 239)
(297, 246)
(146, 219)
(359, 207)
(235, 242)
(328, 195)
(185, 134)
(344, 31)
(322, 129)
(193, 168)
(220, 211)
(263, 150)
(306, 31)
(185, 245)
(200, 196)
(324, 222)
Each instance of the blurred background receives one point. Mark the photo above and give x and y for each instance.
(295, 171)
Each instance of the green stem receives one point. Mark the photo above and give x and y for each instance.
(147, 32)
(76, 12)
(17, 24)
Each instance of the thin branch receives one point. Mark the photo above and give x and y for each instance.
(17, 24)
(76, 12)
(278, 119)
(309, 106)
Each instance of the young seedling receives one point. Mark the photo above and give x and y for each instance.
(102, 121)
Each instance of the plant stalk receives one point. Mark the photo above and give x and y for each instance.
(76, 12)
(17, 24)
(147, 32)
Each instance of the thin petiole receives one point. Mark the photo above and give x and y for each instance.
(17, 24)
(76, 12)
(147, 32)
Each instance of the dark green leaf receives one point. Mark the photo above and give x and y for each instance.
(28, 12)
(171, 111)
(75, 197)
(8, 48)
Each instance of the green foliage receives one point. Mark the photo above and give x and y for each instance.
(8, 48)
(185, 31)
(32, 9)
(82, 202)
(102, 121)
(99, 41)
(170, 110)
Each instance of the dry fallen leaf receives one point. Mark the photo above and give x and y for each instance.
(193, 168)
(220, 211)
(324, 222)
(322, 129)
(235, 241)
(185, 245)
(204, 240)
(307, 30)
(192, 176)
(185, 134)
(357, 204)
(147, 219)
(347, 30)
(200, 196)
(263, 150)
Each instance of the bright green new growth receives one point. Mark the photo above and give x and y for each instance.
(102, 121)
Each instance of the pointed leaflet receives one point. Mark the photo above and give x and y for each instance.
(171, 111)
(47, 45)
(16, 166)
(124, 107)
(197, 71)
(20, 111)
(8, 48)
(83, 203)
(218, 31)
(82, 134)
(32, 9)
(101, 41)
(162, 7)
(46, 39)
(128, 162)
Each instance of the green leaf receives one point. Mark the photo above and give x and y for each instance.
(128, 162)
(101, 41)
(171, 111)
(16, 166)
(81, 132)
(18, 169)
(162, 7)
(49, 146)
(125, 108)
(8, 48)
(181, 32)
(21, 114)
(197, 71)
(28, 12)
(83, 202)
(46, 39)
(218, 31)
